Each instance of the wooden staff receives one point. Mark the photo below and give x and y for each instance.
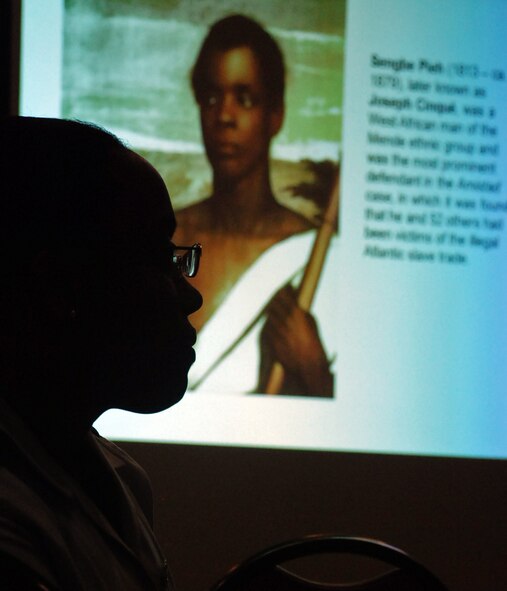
(310, 280)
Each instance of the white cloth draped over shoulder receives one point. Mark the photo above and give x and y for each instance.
(228, 352)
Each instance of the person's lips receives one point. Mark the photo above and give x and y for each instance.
(226, 149)
(190, 336)
(192, 354)
(188, 346)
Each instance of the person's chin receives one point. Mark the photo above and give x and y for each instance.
(172, 387)
(226, 167)
(161, 398)
(163, 387)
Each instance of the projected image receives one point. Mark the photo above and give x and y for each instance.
(242, 117)
(398, 340)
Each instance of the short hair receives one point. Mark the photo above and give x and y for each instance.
(236, 31)
(57, 186)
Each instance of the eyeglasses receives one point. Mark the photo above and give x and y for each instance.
(187, 262)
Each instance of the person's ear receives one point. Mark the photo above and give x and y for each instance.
(276, 117)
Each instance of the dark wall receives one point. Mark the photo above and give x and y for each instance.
(9, 56)
(216, 506)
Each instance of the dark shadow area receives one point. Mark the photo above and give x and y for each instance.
(215, 506)
(9, 56)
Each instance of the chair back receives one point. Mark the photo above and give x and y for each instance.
(268, 571)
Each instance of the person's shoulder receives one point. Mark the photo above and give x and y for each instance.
(119, 459)
(302, 223)
(199, 216)
(129, 471)
(290, 222)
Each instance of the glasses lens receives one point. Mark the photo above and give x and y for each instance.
(192, 261)
(188, 262)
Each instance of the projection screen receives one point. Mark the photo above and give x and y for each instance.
(397, 108)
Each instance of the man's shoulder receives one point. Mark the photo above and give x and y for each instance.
(198, 216)
(278, 221)
(290, 222)
(129, 472)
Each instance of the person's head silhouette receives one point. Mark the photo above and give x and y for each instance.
(94, 314)
(94, 306)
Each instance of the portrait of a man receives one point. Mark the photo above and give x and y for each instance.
(238, 82)
(243, 121)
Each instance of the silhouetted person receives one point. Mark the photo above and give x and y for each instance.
(94, 315)
(239, 82)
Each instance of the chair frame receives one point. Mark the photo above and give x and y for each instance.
(275, 556)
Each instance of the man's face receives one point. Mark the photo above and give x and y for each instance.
(237, 120)
(135, 302)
